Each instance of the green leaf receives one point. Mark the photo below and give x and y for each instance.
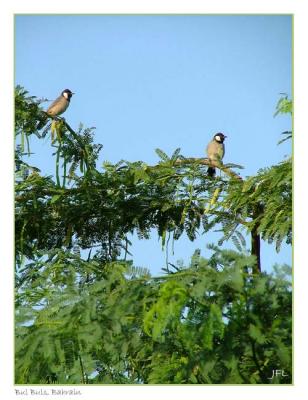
(81, 165)
(55, 198)
(162, 155)
(53, 130)
(236, 242)
(176, 153)
(256, 334)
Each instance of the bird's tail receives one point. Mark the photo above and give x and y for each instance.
(211, 172)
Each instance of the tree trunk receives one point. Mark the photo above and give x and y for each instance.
(256, 250)
(256, 240)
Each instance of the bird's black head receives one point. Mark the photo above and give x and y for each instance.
(219, 137)
(67, 94)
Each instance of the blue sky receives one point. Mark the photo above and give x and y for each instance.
(164, 81)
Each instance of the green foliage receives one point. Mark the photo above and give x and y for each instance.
(84, 314)
(284, 106)
(264, 200)
(166, 310)
(27, 113)
(80, 323)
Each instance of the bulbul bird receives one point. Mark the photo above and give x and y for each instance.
(58, 107)
(215, 151)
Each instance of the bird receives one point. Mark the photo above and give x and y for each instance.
(58, 107)
(215, 151)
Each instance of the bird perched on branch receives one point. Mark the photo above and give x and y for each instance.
(215, 151)
(58, 107)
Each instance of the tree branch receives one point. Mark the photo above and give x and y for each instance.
(206, 161)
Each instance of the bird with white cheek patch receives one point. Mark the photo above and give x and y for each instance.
(58, 107)
(215, 151)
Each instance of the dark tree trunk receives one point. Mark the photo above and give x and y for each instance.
(256, 249)
(255, 239)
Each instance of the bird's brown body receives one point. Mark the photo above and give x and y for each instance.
(215, 151)
(58, 107)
